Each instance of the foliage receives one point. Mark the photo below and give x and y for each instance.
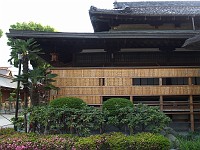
(146, 118)
(40, 82)
(83, 121)
(190, 141)
(117, 141)
(1, 32)
(98, 142)
(27, 47)
(65, 120)
(7, 131)
(12, 96)
(189, 144)
(22, 141)
(9, 139)
(19, 122)
(149, 141)
(114, 104)
(140, 117)
(31, 26)
(70, 102)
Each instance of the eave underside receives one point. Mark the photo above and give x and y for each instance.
(69, 47)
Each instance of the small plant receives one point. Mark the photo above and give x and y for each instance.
(19, 123)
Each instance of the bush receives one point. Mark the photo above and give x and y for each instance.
(6, 131)
(190, 141)
(22, 141)
(119, 141)
(70, 102)
(19, 123)
(149, 141)
(109, 141)
(147, 118)
(113, 104)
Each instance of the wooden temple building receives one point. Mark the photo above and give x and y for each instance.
(137, 52)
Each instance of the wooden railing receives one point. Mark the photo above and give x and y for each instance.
(173, 105)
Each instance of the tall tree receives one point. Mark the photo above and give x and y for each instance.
(32, 26)
(29, 50)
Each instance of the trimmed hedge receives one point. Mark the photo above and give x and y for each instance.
(69, 102)
(113, 104)
(109, 141)
(119, 141)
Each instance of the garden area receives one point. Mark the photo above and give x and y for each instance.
(68, 123)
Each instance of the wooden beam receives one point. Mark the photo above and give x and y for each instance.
(161, 103)
(191, 113)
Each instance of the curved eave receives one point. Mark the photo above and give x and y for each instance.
(103, 20)
(193, 43)
(148, 11)
(157, 34)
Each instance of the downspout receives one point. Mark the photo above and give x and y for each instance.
(193, 24)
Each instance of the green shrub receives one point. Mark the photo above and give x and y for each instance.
(7, 131)
(109, 141)
(86, 143)
(19, 141)
(147, 118)
(113, 104)
(117, 141)
(70, 102)
(19, 123)
(149, 141)
(192, 144)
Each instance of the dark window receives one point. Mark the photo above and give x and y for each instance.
(101, 81)
(196, 80)
(146, 81)
(175, 81)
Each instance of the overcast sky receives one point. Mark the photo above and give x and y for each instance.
(63, 15)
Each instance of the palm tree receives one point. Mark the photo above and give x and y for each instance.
(28, 48)
(40, 80)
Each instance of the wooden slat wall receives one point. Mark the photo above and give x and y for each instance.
(126, 72)
(85, 82)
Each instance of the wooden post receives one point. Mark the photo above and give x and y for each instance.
(131, 99)
(190, 81)
(101, 101)
(161, 103)
(191, 113)
(160, 81)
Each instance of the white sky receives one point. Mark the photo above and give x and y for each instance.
(63, 15)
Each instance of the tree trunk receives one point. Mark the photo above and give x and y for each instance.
(34, 96)
(25, 89)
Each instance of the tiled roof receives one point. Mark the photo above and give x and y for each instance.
(7, 82)
(5, 71)
(153, 8)
(157, 4)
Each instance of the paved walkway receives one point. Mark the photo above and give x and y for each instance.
(5, 120)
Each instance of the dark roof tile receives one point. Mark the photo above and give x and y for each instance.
(153, 8)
